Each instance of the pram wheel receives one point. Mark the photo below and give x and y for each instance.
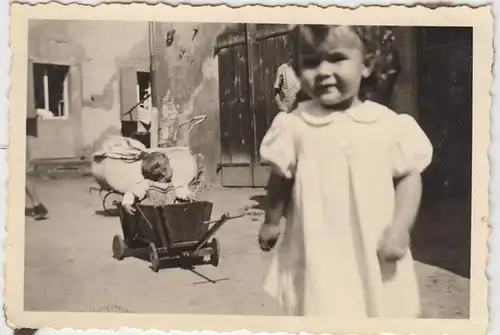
(215, 255)
(118, 248)
(108, 203)
(153, 257)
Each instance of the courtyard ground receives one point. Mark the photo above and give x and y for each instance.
(69, 263)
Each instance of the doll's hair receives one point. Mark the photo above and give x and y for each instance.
(156, 166)
(378, 44)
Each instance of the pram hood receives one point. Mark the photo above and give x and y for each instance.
(117, 164)
(124, 148)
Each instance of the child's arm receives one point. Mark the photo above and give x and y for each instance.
(396, 238)
(128, 202)
(408, 196)
(137, 192)
(412, 154)
(279, 190)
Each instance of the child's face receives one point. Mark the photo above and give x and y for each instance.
(331, 70)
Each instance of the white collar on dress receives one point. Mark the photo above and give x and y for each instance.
(366, 112)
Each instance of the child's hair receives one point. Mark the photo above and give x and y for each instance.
(378, 42)
(156, 166)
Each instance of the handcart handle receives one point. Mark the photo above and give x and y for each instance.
(211, 232)
(226, 216)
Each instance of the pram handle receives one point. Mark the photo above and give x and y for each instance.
(197, 120)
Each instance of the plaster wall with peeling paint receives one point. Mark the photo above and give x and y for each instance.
(187, 74)
(96, 50)
(187, 70)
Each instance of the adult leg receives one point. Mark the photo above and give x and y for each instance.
(30, 203)
(37, 209)
(31, 192)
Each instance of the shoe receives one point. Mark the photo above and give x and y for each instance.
(40, 212)
(28, 211)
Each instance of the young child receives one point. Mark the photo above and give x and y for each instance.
(156, 187)
(345, 248)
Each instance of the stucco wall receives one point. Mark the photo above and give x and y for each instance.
(98, 49)
(188, 69)
(187, 73)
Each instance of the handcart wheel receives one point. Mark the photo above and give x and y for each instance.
(153, 257)
(118, 247)
(215, 256)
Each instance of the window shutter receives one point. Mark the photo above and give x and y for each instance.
(128, 93)
(30, 106)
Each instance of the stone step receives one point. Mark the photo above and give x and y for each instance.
(61, 168)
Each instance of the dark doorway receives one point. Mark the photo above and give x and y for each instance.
(442, 235)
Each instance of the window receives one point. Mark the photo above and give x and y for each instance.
(143, 88)
(135, 88)
(51, 90)
(144, 108)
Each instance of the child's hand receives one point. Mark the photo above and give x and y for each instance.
(268, 236)
(394, 244)
(185, 194)
(129, 209)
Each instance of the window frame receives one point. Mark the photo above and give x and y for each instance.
(66, 90)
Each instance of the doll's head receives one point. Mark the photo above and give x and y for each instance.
(339, 65)
(156, 167)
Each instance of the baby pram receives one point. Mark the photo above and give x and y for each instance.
(171, 232)
(116, 167)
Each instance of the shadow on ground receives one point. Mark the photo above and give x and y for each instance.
(260, 201)
(110, 213)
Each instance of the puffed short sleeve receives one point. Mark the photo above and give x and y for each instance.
(277, 147)
(412, 150)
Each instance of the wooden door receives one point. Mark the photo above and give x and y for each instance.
(249, 56)
(269, 47)
(235, 115)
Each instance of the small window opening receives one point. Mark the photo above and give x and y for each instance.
(145, 102)
(144, 88)
(51, 90)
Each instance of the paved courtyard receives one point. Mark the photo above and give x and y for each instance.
(69, 263)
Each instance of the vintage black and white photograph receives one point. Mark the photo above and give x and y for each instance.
(250, 168)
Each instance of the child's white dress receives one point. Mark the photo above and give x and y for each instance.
(343, 197)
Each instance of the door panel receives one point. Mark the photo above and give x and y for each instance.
(270, 50)
(235, 117)
(248, 59)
